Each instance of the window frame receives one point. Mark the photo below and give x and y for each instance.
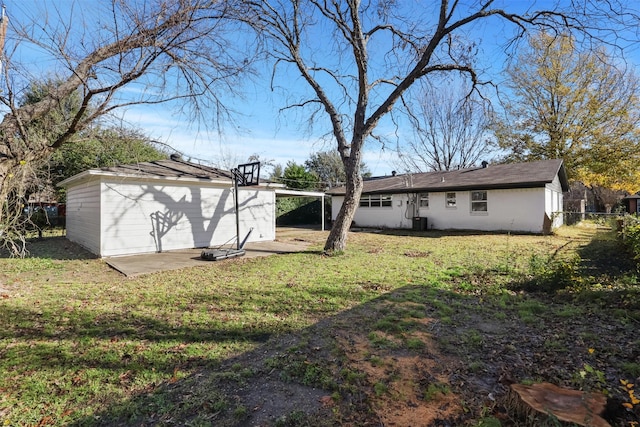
(450, 202)
(480, 202)
(376, 201)
(423, 197)
(386, 200)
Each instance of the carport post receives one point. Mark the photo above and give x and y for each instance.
(322, 210)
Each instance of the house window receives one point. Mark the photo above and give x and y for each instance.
(375, 201)
(479, 201)
(424, 200)
(451, 200)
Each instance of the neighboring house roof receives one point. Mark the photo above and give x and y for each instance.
(499, 176)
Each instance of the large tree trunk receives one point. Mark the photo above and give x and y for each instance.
(5, 171)
(18, 175)
(337, 240)
(13, 181)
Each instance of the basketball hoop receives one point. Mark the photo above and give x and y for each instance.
(247, 174)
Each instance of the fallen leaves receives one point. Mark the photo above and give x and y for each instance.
(633, 400)
(327, 401)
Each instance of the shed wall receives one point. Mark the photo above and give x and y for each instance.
(554, 202)
(139, 217)
(83, 215)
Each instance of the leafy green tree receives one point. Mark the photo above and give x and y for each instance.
(295, 176)
(328, 167)
(577, 105)
(102, 148)
(276, 173)
(47, 126)
(90, 148)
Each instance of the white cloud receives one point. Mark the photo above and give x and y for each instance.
(229, 148)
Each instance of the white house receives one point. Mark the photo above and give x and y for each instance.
(163, 205)
(524, 197)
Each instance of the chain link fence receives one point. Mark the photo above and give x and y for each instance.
(599, 219)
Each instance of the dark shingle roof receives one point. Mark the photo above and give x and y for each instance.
(500, 176)
(170, 168)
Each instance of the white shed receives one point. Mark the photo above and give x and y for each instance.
(163, 205)
(525, 197)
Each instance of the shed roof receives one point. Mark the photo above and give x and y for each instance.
(174, 168)
(499, 176)
(170, 168)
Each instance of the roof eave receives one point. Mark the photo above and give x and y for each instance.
(78, 177)
(100, 173)
(442, 189)
(562, 176)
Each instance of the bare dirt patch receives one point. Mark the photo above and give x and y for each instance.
(408, 389)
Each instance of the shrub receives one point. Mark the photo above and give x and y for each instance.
(631, 234)
(549, 274)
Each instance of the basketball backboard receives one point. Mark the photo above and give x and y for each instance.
(248, 174)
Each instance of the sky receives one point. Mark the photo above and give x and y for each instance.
(260, 128)
(260, 132)
(273, 135)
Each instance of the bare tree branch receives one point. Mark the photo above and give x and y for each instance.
(375, 52)
(164, 50)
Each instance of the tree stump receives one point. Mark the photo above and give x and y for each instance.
(572, 406)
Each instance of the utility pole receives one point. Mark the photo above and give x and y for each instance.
(4, 21)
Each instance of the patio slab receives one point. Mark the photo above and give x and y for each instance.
(136, 265)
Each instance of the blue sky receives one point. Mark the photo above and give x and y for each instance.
(259, 127)
(270, 137)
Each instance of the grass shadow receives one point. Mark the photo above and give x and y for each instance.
(53, 247)
(589, 266)
(414, 356)
(330, 373)
(606, 255)
(441, 350)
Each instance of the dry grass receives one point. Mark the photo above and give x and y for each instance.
(327, 337)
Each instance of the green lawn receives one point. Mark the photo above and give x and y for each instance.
(396, 324)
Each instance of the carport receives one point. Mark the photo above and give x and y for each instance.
(281, 192)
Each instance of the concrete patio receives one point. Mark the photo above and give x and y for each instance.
(136, 265)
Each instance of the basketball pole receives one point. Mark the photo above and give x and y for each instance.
(235, 173)
(242, 176)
